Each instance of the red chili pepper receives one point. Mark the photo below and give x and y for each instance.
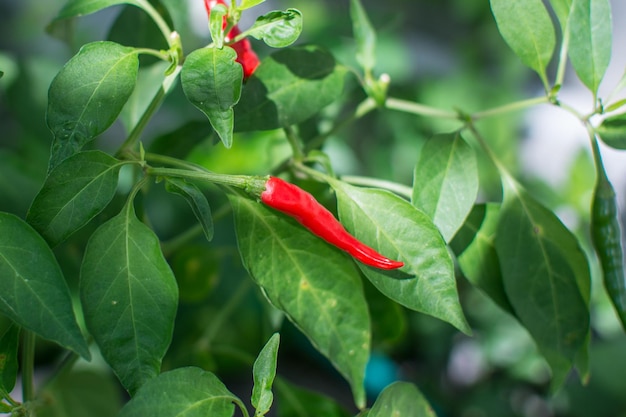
(302, 206)
(245, 54)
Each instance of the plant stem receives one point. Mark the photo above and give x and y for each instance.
(507, 108)
(28, 365)
(294, 142)
(158, 19)
(419, 109)
(399, 189)
(168, 160)
(154, 105)
(246, 182)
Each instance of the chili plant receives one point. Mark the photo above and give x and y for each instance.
(339, 263)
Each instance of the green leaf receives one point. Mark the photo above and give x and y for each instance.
(81, 393)
(479, 260)
(278, 29)
(295, 401)
(9, 342)
(75, 191)
(400, 231)
(301, 274)
(590, 32)
(289, 87)
(212, 82)
(364, 36)
(401, 399)
(445, 182)
(562, 9)
(546, 276)
(191, 392)
(197, 201)
(612, 131)
(129, 297)
(527, 28)
(216, 24)
(88, 94)
(33, 292)
(264, 372)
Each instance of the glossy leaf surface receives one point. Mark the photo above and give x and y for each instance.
(288, 87)
(211, 81)
(129, 297)
(278, 29)
(190, 392)
(400, 231)
(33, 292)
(445, 183)
(300, 273)
(75, 191)
(88, 94)
(590, 40)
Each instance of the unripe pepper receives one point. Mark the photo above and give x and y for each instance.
(302, 206)
(245, 54)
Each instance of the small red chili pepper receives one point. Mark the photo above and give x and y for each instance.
(245, 54)
(302, 206)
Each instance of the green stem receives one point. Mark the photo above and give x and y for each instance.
(159, 54)
(507, 108)
(251, 185)
(560, 72)
(158, 19)
(419, 109)
(399, 189)
(506, 175)
(168, 160)
(294, 142)
(597, 156)
(154, 105)
(28, 365)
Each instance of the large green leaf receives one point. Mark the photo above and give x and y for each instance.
(527, 29)
(9, 342)
(364, 36)
(278, 29)
(400, 231)
(316, 285)
(75, 191)
(75, 8)
(212, 82)
(88, 94)
(189, 392)
(478, 259)
(288, 87)
(546, 276)
(264, 372)
(590, 32)
(33, 292)
(445, 183)
(129, 297)
(401, 399)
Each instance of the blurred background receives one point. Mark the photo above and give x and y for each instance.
(445, 54)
